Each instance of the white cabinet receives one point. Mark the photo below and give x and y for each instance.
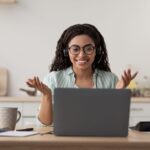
(30, 110)
(28, 106)
(139, 110)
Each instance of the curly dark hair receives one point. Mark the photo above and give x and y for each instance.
(61, 61)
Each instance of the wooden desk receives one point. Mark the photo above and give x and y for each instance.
(135, 141)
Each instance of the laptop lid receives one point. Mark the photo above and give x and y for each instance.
(91, 112)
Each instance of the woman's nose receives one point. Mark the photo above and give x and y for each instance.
(82, 53)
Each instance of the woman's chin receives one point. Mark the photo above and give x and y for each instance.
(83, 67)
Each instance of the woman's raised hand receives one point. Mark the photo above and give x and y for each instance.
(36, 83)
(125, 79)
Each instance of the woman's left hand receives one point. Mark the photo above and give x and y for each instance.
(125, 79)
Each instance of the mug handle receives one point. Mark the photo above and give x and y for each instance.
(19, 116)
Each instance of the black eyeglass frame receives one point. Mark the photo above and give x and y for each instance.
(83, 48)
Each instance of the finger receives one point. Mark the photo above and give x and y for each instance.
(42, 89)
(29, 84)
(127, 75)
(37, 81)
(124, 81)
(34, 80)
(134, 75)
(29, 81)
(38, 84)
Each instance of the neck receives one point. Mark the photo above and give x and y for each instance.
(83, 74)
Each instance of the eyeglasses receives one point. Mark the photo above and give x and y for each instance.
(87, 49)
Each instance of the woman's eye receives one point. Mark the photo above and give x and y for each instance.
(75, 49)
(88, 49)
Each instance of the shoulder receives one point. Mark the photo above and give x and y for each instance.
(106, 79)
(56, 75)
(106, 74)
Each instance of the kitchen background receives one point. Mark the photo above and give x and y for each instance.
(29, 30)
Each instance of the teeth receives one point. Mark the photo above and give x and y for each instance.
(82, 60)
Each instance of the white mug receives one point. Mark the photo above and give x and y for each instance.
(9, 116)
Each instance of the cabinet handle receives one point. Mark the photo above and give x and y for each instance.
(28, 116)
(136, 109)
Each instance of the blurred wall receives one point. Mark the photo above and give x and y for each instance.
(29, 31)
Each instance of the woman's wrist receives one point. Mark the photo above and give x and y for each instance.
(47, 93)
(47, 96)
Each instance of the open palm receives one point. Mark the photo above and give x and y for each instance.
(36, 83)
(125, 79)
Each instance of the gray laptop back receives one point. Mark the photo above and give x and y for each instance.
(91, 112)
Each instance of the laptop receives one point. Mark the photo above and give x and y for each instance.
(91, 112)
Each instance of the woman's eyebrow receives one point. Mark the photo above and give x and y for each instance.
(89, 44)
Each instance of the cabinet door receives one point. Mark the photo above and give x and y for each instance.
(30, 111)
(140, 109)
(135, 120)
(139, 112)
(29, 120)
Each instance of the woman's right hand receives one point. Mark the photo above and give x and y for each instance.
(45, 112)
(36, 83)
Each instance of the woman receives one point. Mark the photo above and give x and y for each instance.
(81, 61)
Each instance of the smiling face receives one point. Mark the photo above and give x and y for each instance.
(81, 61)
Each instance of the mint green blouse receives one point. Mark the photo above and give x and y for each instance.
(66, 78)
